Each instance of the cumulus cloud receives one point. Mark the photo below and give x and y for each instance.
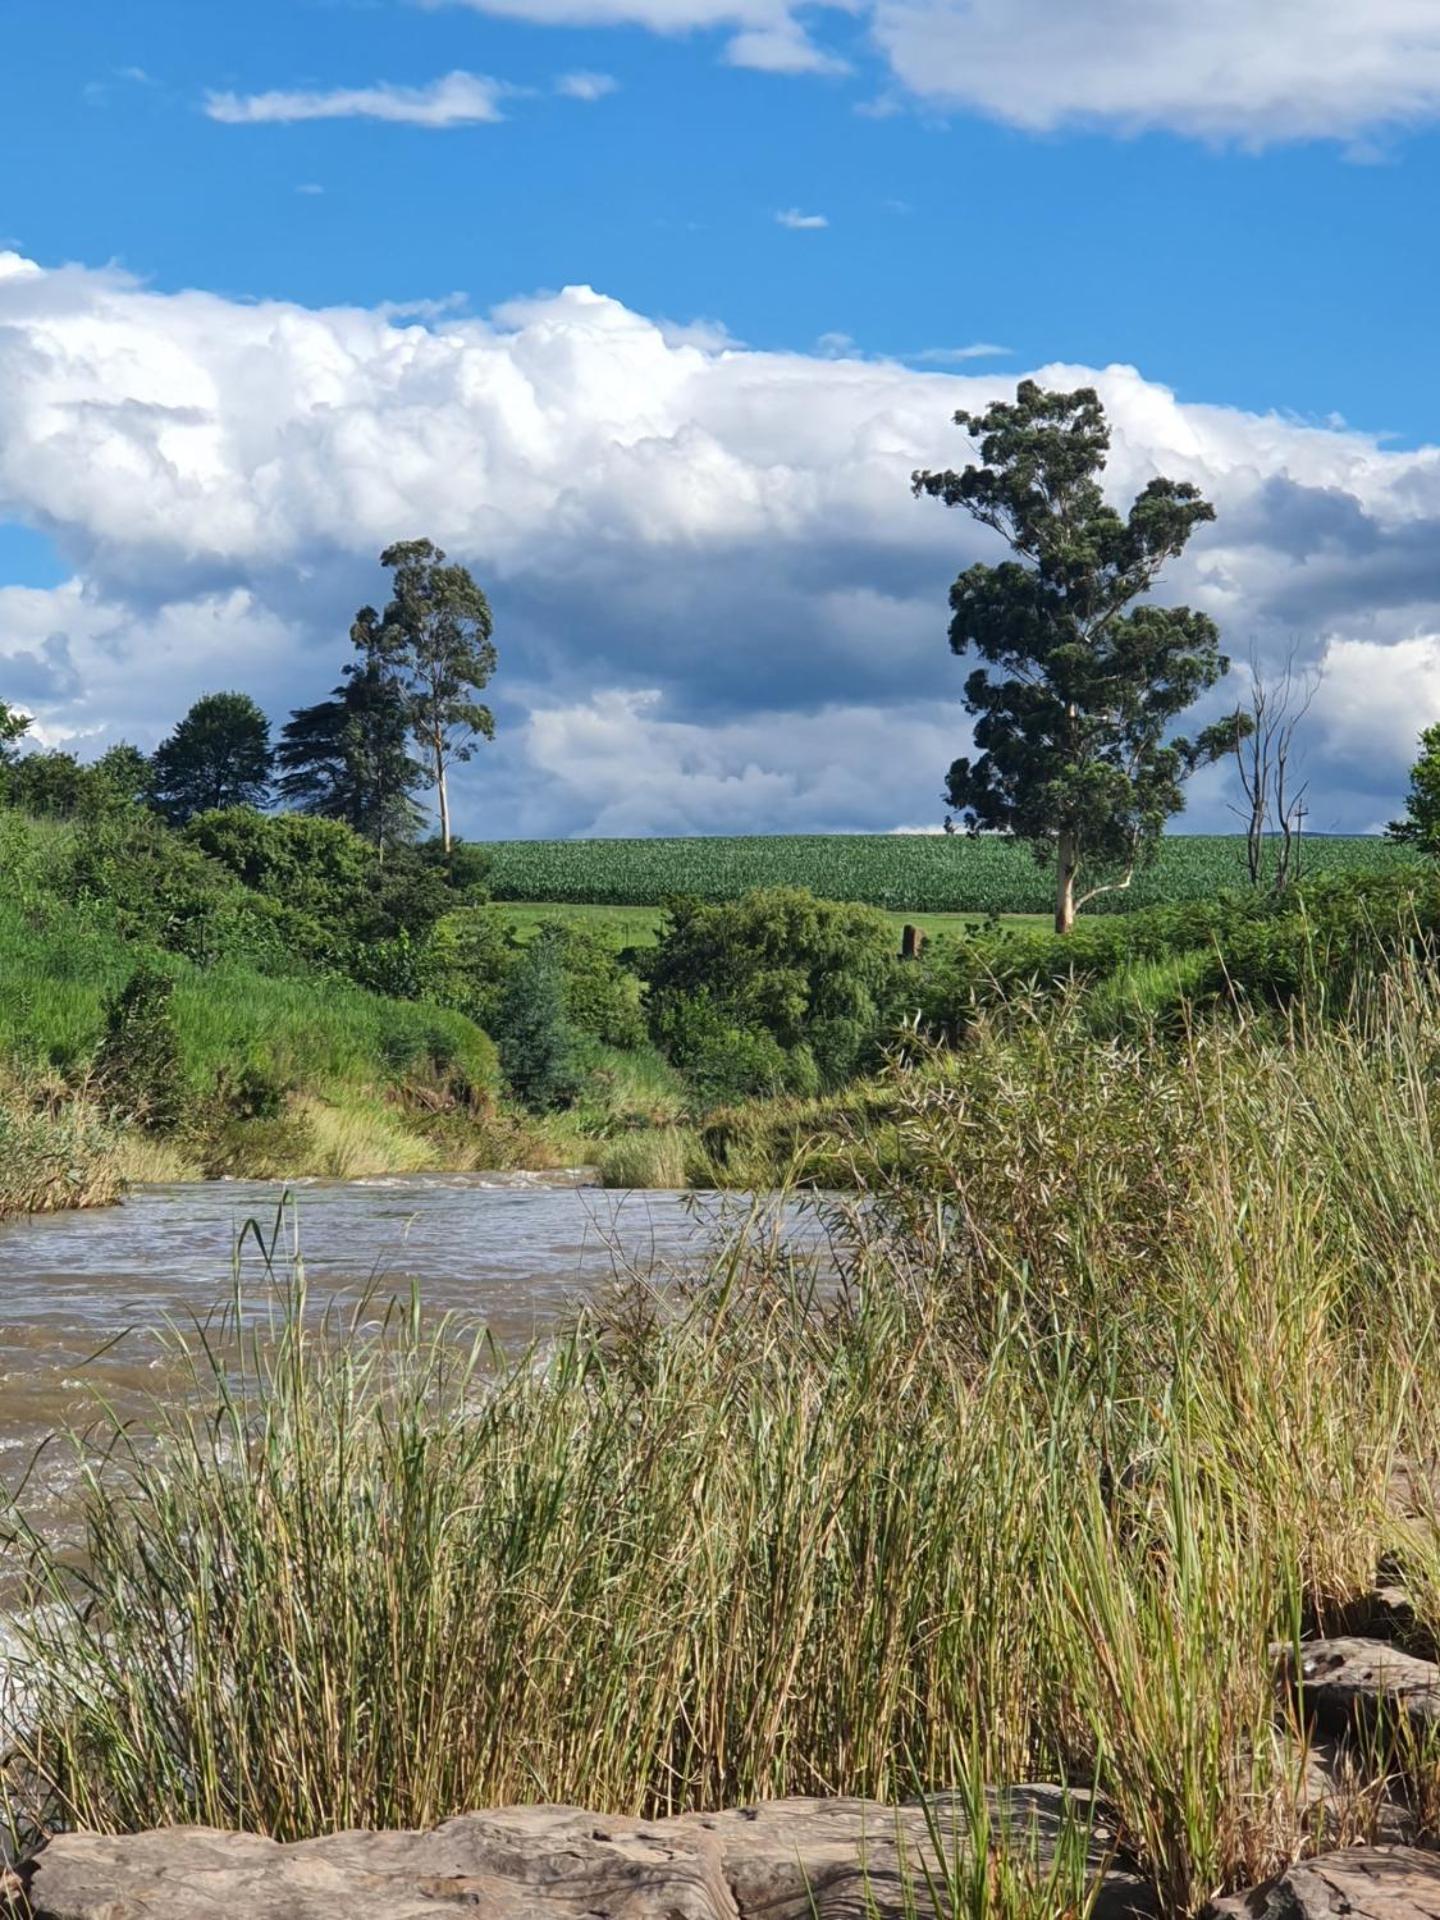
(719, 606)
(1287, 69)
(799, 222)
(457, 100)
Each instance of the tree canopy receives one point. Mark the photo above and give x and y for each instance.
(218, 756)
(435, 636)
(1082, 675)
(347, 758)
(1421, 824)
(14, 725)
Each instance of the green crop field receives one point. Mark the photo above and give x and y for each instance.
(905, 873)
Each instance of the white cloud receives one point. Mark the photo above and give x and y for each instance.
(458, 100)
(766, 35)
(1254, 70)
(799, 222)
(652, 508)
(782, 48)
(955, 356)
(586, 86)
(311, 188)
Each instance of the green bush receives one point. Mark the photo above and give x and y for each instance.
(58, 786)
(816, 984)
(138, 1067)
(541, 1049)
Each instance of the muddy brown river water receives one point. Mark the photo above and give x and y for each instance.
(85, 1298)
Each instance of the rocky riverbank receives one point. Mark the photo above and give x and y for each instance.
(794, 1859)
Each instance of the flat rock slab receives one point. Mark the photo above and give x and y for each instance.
(780, 1860)
(1360, 1883)
(1351, 1682)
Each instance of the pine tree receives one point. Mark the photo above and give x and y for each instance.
(218, 756)
(346, 758)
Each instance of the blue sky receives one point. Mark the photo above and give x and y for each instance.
(1236, 207)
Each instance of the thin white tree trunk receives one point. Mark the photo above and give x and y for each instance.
(1067, 865)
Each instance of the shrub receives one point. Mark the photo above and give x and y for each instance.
(468, 963)
(602, 997)
(723, 1062)
(57, 785)
(138, 1067)
(817, 979)
(319, 867)
(540, 1047)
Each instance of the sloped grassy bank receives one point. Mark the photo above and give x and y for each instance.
(1121, 1362)
(222, 1069)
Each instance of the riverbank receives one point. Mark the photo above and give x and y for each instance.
(1131, 1377)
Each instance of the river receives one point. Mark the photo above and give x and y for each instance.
(85, 1298)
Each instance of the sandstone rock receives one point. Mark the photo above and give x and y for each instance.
(781, 1860)
(1361, 1883)
(1351, 1683)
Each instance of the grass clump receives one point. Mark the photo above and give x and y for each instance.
(55, 1153)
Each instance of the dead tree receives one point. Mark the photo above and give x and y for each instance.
(1270, 776)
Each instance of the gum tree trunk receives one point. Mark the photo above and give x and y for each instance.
(1067, 865)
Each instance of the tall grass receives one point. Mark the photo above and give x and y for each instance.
(54, 1154)
(1092, 1401)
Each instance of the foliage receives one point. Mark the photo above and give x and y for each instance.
(434, 637)
(602, 998)
(219, 755)
(725, 1061)
(540, 1046)
(151, 885)
(1420, 827)
(912, 872)
(138, 1067)
(59, 970)
(1072, 723)
(318, 867)
(14, 725)
(58, 786)
(473, 954)
(804, 988)
(347, 758)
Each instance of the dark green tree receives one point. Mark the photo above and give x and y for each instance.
(1083, 675)
(435, 635)
(1421, 825)
(218, 756)
(347, 758)
(541, 1050)
(14, 725)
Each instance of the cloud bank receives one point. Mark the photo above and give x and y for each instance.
(718, 606)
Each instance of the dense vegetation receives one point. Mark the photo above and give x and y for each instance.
(1135, 1340)
(275, 993)
(914, 873)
